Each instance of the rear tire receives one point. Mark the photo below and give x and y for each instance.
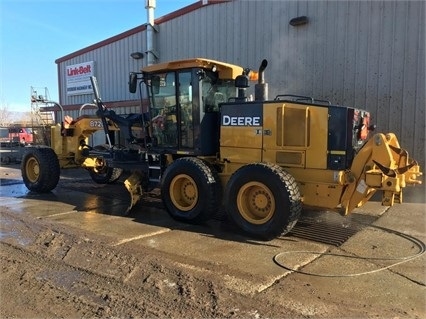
(263, 200)
(191, 190)
(40, 169)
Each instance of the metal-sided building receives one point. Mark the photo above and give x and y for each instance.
(367, 54)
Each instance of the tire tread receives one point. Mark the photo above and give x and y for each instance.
(293, 210)
(49, 169)
(213, 189)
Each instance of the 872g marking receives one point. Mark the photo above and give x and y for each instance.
(94, 123)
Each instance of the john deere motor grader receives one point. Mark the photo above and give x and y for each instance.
(208, 146)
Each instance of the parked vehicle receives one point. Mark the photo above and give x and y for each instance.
(208, 147)
(4, 136)
(21, 135)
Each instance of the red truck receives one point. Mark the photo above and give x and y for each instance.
(16, 136)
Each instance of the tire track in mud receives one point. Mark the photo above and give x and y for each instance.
(59, 271)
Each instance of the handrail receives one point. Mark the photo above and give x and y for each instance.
(83, 106)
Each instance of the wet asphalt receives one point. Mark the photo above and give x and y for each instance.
(376, 252)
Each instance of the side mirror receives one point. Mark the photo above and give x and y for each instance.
(242, 81)
(201, 74)
(133, 82)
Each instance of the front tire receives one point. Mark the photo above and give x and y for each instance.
(263, 200)
(40, 169)
(190, 190)
(104, 174)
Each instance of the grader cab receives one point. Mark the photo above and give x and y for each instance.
(210, 147)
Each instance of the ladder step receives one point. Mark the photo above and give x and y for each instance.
(157, 175)
(154, 167)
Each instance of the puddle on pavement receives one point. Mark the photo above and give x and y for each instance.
(13, 188)
(8, 182)
(108, 202)
(71, 281)
(12, 232)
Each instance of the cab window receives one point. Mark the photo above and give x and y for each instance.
(186, 110)
(215, 92)
(172, 109)
(163, 108)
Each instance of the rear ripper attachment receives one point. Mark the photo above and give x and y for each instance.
(380, 165)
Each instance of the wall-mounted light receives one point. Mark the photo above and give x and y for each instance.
(299, 21)
(137, 55)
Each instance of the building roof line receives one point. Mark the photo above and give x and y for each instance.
(170, 16)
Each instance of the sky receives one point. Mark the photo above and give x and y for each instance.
(34, 33)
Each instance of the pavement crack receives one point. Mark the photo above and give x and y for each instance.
(408, 278)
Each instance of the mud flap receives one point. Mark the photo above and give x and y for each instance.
(133, 185)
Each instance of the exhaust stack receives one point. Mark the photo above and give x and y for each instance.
(261, 88)
(150, 6)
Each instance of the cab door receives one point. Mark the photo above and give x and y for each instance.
(185, 116)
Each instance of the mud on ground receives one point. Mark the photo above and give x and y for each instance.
(53, 270)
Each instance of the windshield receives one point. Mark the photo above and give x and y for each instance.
(179, 101)
(171, 108)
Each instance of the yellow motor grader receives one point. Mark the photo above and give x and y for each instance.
(209, 146)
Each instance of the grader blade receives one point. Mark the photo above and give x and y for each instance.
(133, 185)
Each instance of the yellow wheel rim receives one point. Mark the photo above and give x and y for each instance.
(32, 169)
(183, 192)
(256, 203)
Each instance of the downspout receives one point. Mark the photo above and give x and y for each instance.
(150, 29)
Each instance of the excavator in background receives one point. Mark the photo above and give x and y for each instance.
(209, 146)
